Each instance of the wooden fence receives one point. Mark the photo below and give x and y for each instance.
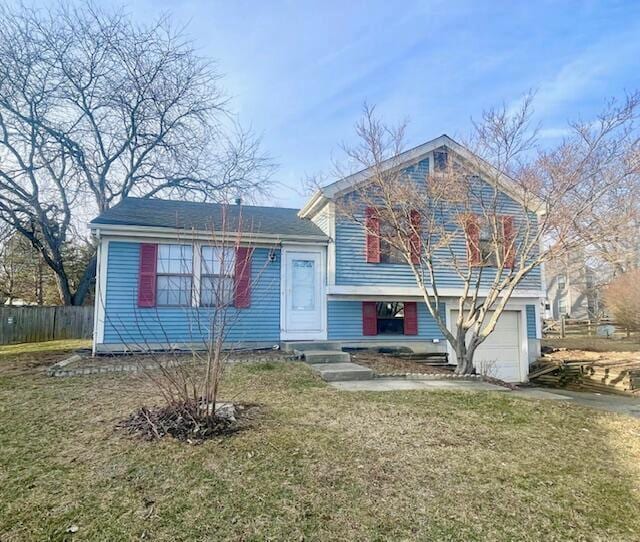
(34, 324)
(567, 327)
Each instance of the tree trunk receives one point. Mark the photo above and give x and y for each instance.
(465, 362)
(64, 291)
(85, 282)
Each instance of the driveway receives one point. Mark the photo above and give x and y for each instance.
(600, 401)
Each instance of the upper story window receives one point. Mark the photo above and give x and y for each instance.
(440, 160)
(488, 246)
(562, 282)
(388, 252)
(217, 276)
(174, 275)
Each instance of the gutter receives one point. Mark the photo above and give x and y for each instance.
(125, 230)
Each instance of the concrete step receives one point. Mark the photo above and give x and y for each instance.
(341, 372)
(290, 346)
(324, 356)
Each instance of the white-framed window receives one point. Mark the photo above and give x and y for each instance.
(174, 275)
(488, 246)
(562, 281)
(217, 276)
(562, 306)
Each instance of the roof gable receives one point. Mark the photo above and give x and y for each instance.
(505, 183)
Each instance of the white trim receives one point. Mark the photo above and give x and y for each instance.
(331, 248)
(293, 336)
(102, 259)
(413, 291)
(196, 277)
(135, 232)
(447, 319)
(183, 240)
(524, 347)
(538, 320)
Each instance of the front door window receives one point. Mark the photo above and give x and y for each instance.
(303, 285)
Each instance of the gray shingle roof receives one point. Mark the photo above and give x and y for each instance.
(207, 217)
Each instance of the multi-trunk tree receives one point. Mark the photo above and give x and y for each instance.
(491, 217)
(94, 108)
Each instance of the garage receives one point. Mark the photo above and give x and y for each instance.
(500, 354)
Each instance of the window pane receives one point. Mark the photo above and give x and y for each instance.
(390, 318)
(303, 285)
(176, 259)
(173, 290)
(220, 288)
(218, 261)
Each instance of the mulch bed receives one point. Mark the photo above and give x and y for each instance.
(179, 422)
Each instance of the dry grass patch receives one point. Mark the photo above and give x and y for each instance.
(319, 464)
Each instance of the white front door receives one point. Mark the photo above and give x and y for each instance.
(303, 300)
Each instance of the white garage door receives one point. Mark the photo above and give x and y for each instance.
(499, 355)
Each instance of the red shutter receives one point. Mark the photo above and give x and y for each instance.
(369, 318)
(472, 230)
(372, 231)
(509, 248)
(147, 275)
(416, 239)
(242, 293)
(411, 318)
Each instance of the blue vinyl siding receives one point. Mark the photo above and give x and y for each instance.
(344, 322)
(322, 220)
(531, 322)
(353, 270)
(133, 326)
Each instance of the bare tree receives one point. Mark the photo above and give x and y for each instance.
(491, 217)
(23, 274)
(187, 376)
(93, 108)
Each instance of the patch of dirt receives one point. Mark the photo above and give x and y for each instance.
(31, 363)
(183, 423)
(389, 363)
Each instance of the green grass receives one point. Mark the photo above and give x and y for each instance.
(317, 465)
(48, 346)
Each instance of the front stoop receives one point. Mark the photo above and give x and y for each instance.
(342, 372)
(292, 346)
(324, 356)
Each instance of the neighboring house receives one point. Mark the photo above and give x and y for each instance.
(307, 277)
(572, 289)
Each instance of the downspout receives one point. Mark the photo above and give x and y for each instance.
(97, 295)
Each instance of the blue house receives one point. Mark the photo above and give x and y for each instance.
(290, 275)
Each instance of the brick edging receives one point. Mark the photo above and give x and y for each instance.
(58, 369)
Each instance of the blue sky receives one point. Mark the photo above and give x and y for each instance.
(299, 71)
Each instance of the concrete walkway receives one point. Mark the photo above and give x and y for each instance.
(600, 401)
(629, 406)
(394, 384)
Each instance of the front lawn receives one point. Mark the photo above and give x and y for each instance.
(317, 465)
